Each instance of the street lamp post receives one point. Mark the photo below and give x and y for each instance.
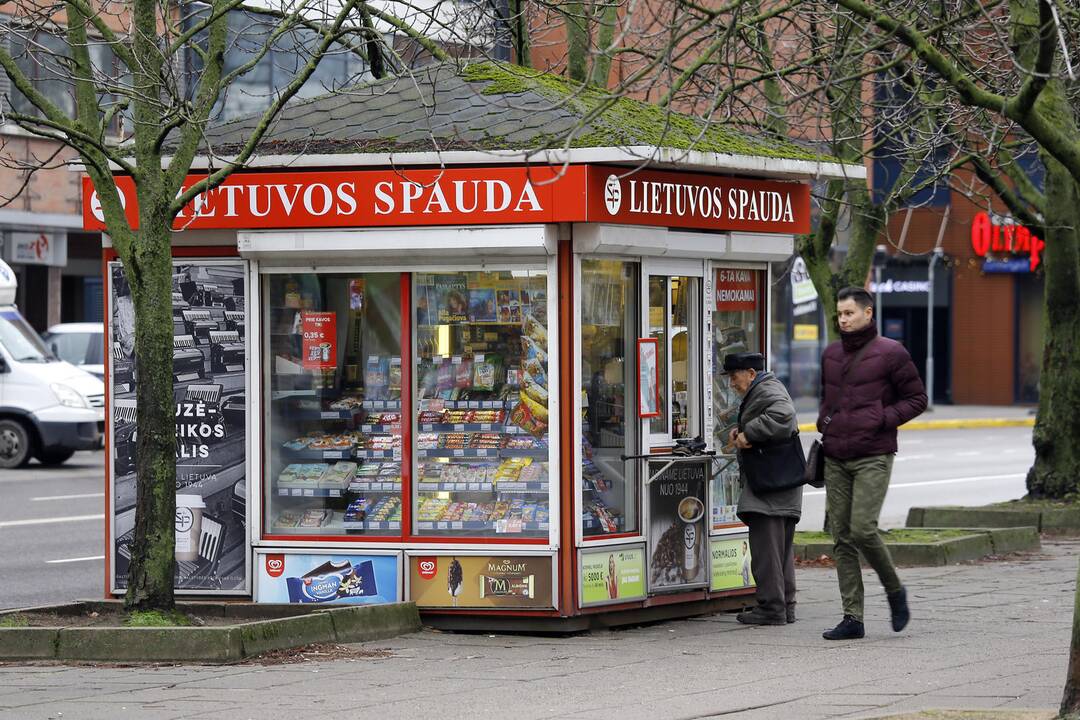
(935, 257)
(880, 258)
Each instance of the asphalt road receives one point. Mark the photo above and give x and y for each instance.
(945, 467)
(52, 526)
(51, 531)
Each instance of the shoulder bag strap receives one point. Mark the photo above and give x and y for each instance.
(843, 381)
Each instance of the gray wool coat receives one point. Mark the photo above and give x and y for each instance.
(768, 416)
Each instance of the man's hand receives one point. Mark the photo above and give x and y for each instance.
(741, 442)
(732, 435)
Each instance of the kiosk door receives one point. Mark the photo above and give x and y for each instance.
(672, 304)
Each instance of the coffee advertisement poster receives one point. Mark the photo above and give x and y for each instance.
(678, 537)
(484, 581)
(209, 391)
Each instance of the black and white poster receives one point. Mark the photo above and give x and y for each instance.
(209, 388)
(678, 537)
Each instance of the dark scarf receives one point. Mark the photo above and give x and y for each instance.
(854, 340)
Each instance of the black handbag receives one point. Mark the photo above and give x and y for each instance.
(814, 472)
(776, 466)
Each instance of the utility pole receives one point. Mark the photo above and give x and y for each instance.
(935, 257)
(881, 256)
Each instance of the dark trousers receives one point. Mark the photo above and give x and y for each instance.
(772, 561)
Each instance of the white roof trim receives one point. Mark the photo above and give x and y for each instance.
(642, 154)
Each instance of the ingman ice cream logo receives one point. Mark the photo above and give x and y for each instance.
(428, 568)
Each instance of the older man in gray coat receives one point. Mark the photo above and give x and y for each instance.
(767, 415)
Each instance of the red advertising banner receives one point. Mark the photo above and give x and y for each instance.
(736, 290)
(480, 196)
(691, 200)
(369, 198)
(320, 339)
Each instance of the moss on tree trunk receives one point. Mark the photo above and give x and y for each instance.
(150, 580)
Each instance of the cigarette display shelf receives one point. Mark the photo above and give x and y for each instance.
(370, 525)
(537, 453)
(373, 486)
(485, 487)
(496, 526)
(310, 492)
(307, 454)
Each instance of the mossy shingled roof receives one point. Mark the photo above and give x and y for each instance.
(487, 106)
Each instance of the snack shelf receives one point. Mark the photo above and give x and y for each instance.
(309, 414)
(382, 404)
(538, 453)
(484, 487)
(316, 455)
(372, 524)
(425, 404)
(374, 487)
(497, 526)
(377, 454)
(380, 429)
(589, 522)
(310, 492)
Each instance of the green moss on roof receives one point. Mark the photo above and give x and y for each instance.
(622, 121)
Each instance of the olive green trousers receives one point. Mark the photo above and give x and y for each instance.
(854, 492)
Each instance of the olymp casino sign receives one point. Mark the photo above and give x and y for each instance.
(480, 196)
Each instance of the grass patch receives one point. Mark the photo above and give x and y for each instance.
(1029, 503)
(14, 621)
(156, 618)
(899, 535)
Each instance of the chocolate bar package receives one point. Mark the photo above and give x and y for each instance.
(333, 580)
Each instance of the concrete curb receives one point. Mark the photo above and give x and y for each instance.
(959, 424)
(1049, 520)
(288, 626)
(979, 544)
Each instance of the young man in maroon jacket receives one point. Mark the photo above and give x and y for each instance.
(869, 388)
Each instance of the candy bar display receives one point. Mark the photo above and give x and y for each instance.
(610, 316)
(481, 368)
(334, 436)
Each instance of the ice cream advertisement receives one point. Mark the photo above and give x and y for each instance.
(470, 581)
(352, 579)
(612, 575)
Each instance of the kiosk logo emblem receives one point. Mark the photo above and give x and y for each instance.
(95, 204)
(613, 194)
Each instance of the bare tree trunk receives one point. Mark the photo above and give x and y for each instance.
(151, 576)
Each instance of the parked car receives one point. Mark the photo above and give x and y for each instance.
(48, 408)
(81, 344)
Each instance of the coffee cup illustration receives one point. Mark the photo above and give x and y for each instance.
(691, 510)
(189, 512)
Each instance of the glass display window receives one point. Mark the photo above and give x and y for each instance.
(737, 326)
(333, 437)
(481, 442)
(610, 429)
(674, 321)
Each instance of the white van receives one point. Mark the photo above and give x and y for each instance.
(48, 408)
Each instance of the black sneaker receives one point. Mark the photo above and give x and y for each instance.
(899, 608)
(848, 629)
(791, 614)
(756, 617)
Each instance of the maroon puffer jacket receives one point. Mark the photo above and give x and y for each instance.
(880, 394)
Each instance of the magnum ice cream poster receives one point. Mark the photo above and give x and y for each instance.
(488, 581)
(210, 333)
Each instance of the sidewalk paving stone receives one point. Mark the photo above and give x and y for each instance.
(983, 635)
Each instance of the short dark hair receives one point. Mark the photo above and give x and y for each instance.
(861, 297)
